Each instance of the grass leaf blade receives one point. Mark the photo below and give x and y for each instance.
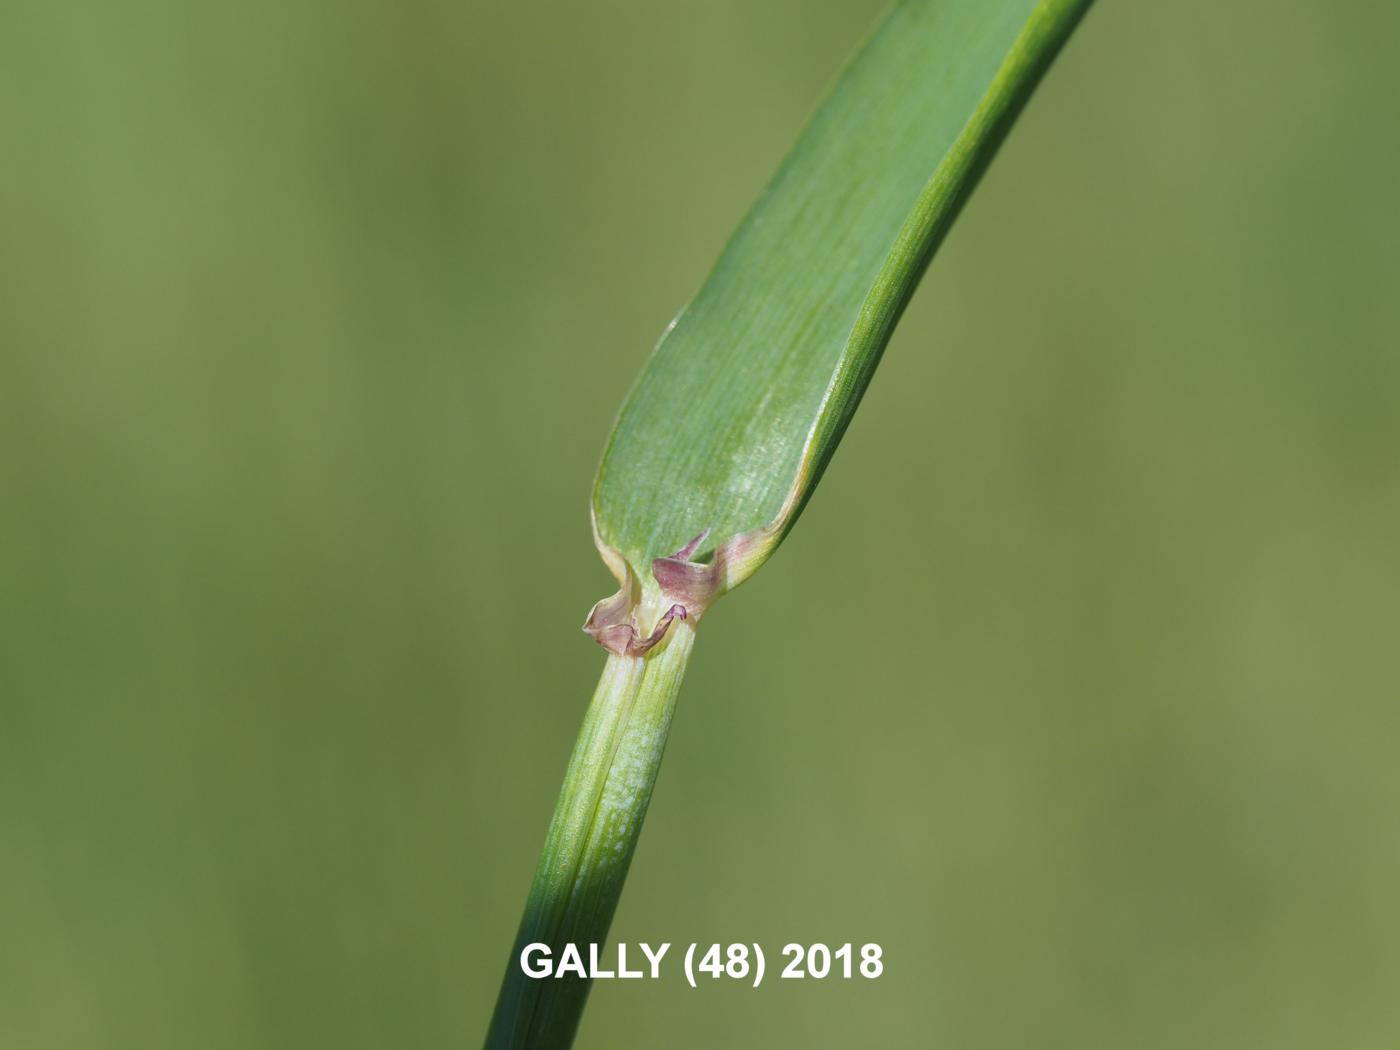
(747, 395)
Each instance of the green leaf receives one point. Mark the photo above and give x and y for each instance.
(748, 393)
(728, 430)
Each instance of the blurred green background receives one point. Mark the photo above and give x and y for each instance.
(1076, 688)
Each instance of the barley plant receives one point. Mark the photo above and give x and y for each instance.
(726, 433)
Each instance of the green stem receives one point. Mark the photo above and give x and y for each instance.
(597, 821)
